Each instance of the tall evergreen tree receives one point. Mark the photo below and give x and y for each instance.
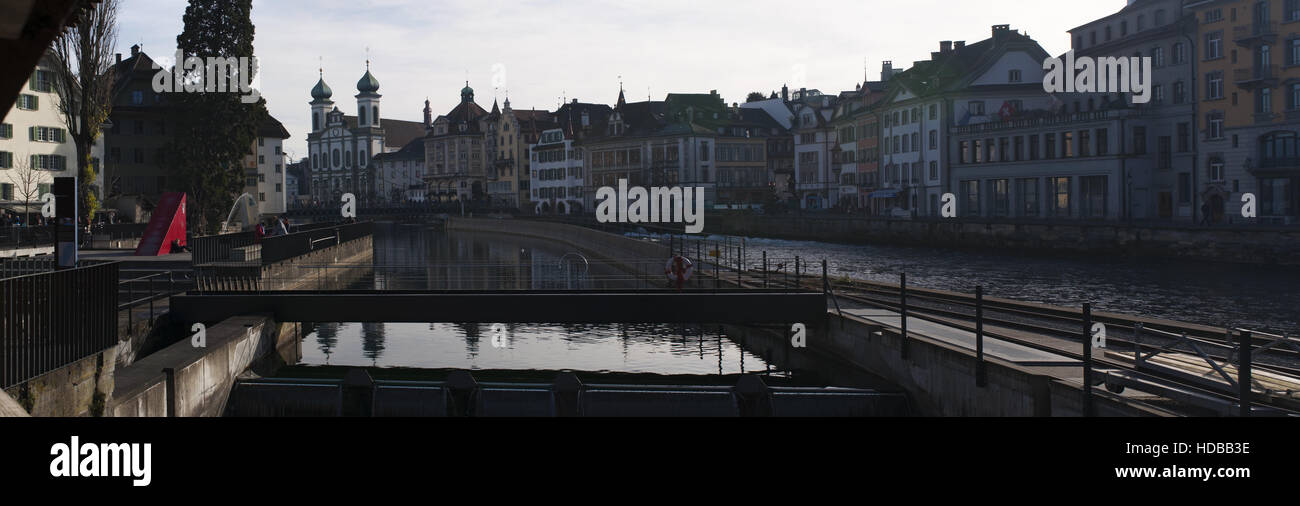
(215, 130)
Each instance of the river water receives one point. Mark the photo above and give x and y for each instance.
(418, 257)
(1259, 297)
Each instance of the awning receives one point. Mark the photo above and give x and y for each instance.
(883, 194)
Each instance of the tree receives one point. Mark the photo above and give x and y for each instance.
(215, 130)
(26, 181)
(755, 96)
(85, 87)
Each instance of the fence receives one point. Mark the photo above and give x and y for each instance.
(216, 248)
(54, 318)
(284, 247)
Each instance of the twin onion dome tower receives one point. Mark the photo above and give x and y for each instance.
(367, 100)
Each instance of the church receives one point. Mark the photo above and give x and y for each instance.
(341, 146)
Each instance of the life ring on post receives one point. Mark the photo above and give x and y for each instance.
(679, 270)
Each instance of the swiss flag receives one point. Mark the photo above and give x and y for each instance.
(1007, 111)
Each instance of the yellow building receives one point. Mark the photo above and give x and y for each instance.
(1248, 66)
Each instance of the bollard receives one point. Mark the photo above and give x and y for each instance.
(1087, 359)
(981, 369)
(753, 397)
(462, 398)
(358, 396)
(1243, 371)
(567, 395)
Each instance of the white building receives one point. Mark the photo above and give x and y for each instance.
(400, 176)
(264, 170)
(814, 138)
(35, 146)
(557, 173)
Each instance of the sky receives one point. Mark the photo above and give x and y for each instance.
(542, 52)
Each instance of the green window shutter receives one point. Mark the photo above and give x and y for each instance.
(31, 133)
(36, 162)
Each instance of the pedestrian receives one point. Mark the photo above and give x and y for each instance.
(1205, 213)
(282, 225)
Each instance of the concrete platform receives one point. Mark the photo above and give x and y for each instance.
(1010, 352)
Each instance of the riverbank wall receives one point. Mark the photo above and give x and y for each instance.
(1246, 244)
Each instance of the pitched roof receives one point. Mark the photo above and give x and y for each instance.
(413, 150)
(396, 132)
(272, 128)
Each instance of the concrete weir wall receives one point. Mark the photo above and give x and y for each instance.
(940, 379)
(1259, 245)
(601, 244)
(202, 377)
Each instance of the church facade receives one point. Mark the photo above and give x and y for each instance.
(341, 146)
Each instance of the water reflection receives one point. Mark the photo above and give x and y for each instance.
(411, 257)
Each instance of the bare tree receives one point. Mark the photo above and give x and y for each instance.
(26, 181)
(85, 86)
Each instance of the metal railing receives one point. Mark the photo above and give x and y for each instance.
(217, 248)
(283, 247)
(51, 319)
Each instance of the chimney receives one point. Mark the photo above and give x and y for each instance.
(135, 50)
(945, 46)
(575, 101)
(999, 29)
(886, 70)
(959, 44)
(119, 57)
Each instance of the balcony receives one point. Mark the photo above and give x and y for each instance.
(1259, 76)
(1255, 34)
(1283, 163)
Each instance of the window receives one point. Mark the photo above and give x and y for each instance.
(1092, 190)
(137, 97)
(1164, 153)
(934, 170)
(6, 160)
(1033, 147)
(42, 81)
(934, 112)
(1292, 12)
(1067, 144)
(1214, 45)
(1013, 75)
(1158, 56)
(1060, 196)
(1000, 190)
(1293, 97)
(1214, 85)
(29, 102)
(48, 162)
(704, 151)
(1180, 53)
(1027, 197)
(1184, 188)
(1049, 146)
(6, 131)
(934, 139)
(1140, 140)
(1184, 137)
(1180, 92)
(971, 192)
(976, 108)
(1264, 101)
(1216, 169)
(1103, 142)
(1085, 142)
(1214, 126)
(1213, 15)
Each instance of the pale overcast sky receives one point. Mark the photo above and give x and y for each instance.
(578, 48)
